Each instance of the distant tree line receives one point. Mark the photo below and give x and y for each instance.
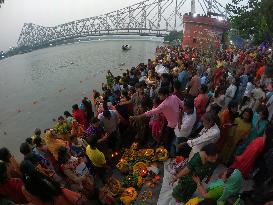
(253, 20)
(174, 36)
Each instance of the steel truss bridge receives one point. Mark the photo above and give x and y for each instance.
(149, 17)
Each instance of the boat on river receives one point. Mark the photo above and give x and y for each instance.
(126, 47)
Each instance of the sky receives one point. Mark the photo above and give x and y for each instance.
(14, 13)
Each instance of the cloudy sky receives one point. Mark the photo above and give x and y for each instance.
(14, 13)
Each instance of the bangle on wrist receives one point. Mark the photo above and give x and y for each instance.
(199, 184)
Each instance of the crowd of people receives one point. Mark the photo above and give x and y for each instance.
(209, 110)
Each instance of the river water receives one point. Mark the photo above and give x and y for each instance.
(38, 86)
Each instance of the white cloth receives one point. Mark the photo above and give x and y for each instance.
(188, 120)
(236, 58)
(230, 93)
(231, 90)
(160, 69)
(206, 136)
(109, 125)
(248, 90)
(258, 93)
(165, 196)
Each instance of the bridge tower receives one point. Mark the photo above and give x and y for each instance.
(204, 29)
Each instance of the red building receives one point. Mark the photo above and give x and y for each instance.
(202, 31)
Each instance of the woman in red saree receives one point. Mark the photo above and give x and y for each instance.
(246, 160)
(217, 75)
(11, 188)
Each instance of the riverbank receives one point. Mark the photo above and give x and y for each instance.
(38, 86)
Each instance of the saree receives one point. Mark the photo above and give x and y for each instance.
(246, 160)
(53, 144)
(258, 128)
(225, 118)
(220, 190)
(239, 133)
(186, 186)
(66, 198)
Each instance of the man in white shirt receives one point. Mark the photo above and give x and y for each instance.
(209, 134)
(184, 128)
(230, 92)
(110, 120)
(160, 69)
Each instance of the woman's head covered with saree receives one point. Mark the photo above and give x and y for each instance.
(233, 183)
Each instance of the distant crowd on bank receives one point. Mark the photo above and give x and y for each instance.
(209, 109)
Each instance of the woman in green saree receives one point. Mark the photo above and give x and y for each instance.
(259, 124)
(240, 130)
(202, 165)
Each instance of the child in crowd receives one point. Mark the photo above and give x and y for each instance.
(157, 123)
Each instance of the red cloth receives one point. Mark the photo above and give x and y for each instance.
(218, 73)
(12, 190)
(80, 117)
(245, 161)
(200, 103)
(260, 71)
(242, 58)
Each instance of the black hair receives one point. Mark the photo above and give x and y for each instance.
(268, 133)
(5, 155)
(230, 171)
(72, 137)
(232, 104)
(210, 149)
(62, 155)
(60, 118)
(177, 85)
(204, 88)
(157, 100)
(67, 114)
(29, 141)
(107, 113)
(3, 172)
(163, 91)
(37, 132)
(92, 141)
(38, 141)
(95, 120)
(210, 116)
(189, 103)
(264, 110)
(208, 202)
(165, 76)
(249, 110)
(33, 158)
(214, 107)
(75, 107)
(25, 148)
(125, 94)
(37, 184)
(185, 151)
